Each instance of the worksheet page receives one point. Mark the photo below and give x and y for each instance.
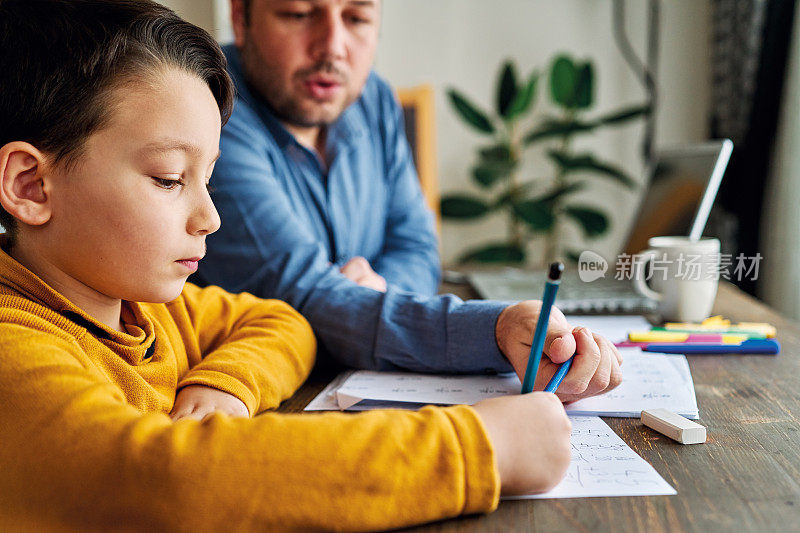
(603, 465)
(650, 381)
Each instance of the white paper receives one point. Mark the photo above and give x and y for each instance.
(326, 400)
(424, 388)
(650, 381)
(603, 465)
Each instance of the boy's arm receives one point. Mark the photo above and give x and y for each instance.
(75, 453)
(258, 350)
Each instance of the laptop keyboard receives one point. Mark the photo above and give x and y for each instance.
(574, 296)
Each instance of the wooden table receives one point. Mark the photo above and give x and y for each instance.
(746, 477)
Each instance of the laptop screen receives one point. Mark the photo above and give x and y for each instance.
(681, 192)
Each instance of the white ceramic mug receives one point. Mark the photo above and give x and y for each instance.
(683, 276)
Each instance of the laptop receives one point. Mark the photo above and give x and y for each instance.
(682, 187)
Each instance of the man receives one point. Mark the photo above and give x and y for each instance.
(321, 207)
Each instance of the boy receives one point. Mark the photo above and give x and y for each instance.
(110, 114)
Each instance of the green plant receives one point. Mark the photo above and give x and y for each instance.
(536, 206)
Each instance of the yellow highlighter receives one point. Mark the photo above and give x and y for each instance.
(717, 324)
(681, 337)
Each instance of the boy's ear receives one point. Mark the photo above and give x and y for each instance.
(22, 187)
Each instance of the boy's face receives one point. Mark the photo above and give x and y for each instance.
(130, 220)
(309, 59)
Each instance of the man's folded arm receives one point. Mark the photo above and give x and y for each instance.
(264, 249)
(410, 258)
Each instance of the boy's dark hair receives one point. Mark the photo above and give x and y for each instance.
(60, 59)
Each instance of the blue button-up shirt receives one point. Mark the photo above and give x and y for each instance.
(288, 224)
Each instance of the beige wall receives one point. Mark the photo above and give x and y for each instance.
(209, 14)
(461, 43)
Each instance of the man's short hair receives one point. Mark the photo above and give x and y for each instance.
(60, 60)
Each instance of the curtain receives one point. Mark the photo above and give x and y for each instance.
(750, 49)
(780, 231)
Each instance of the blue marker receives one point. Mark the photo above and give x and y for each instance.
(550, 290)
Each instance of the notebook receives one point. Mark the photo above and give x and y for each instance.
(650, 381)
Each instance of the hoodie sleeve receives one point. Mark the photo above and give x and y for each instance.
(258, 350)
(77, 456)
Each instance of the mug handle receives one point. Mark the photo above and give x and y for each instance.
(638, 276)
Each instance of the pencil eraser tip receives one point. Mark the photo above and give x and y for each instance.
(555, 270)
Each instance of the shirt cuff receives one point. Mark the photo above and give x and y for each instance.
(472, 340)
(222, 382)
(481, 477)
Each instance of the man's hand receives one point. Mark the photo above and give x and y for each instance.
(530, 437)
(199, 401)
(359, 270)
(595, 368)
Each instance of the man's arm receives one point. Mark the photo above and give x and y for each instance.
(263, 248)
(410, 258)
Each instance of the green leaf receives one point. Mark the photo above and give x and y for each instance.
(562, 190)
(488, 173)
(524, 99)
(463, 206)
(563, 77)
(570, 163)
(557, 128)
(624, 114)
(496, 153)
(471, 114)
(512, 195)
(584, 86)
(592, 221)
(495, 253)
(506, 88)
(494, 162)
(538, 214)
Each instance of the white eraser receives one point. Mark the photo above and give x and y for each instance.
(674, 426)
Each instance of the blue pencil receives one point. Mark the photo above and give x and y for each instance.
(550, 290)
(555, 381)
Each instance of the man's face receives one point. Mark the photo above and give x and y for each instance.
(309, 59)
(130, 220)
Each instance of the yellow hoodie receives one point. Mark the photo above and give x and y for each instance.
(86, 442)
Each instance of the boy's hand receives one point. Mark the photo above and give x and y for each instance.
(199, 401)
(595, 369)
(530, 436)
(359, 270)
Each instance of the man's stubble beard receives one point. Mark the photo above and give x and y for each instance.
(287, 108)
